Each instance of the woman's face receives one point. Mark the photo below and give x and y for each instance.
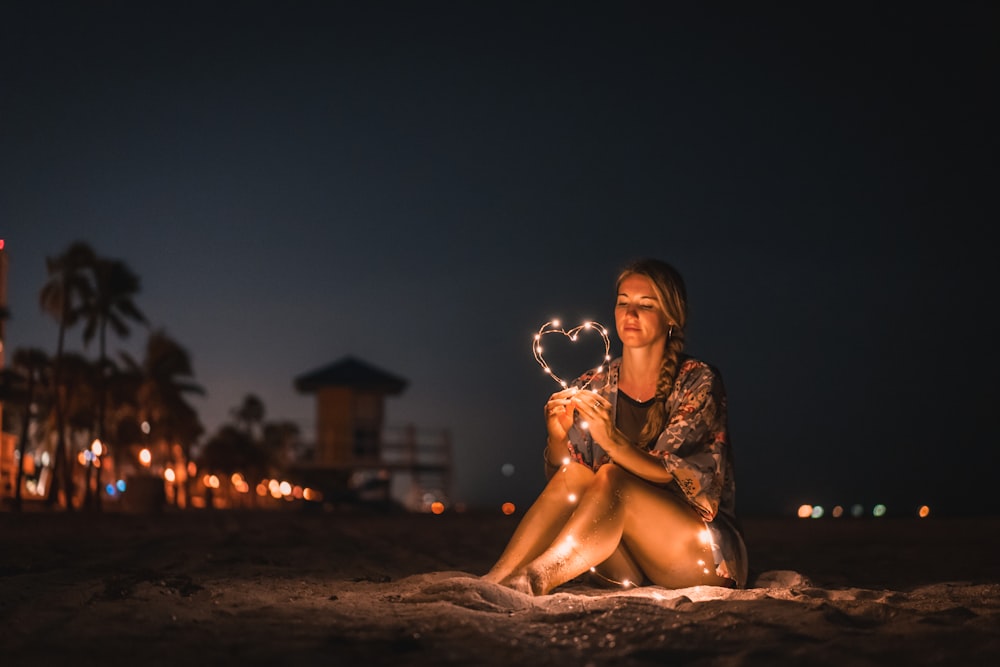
(639, 316)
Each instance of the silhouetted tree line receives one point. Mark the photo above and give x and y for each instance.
(70, 398)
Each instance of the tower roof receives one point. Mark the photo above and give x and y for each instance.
(351, 372)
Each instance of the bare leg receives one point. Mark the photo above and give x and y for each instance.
(661, 532)
(619, 569)
(543, 520)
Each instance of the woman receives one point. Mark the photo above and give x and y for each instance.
(640, 471)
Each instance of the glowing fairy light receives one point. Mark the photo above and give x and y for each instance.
(555, 327)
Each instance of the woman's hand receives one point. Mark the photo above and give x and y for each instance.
(559, 415)
(595, 410)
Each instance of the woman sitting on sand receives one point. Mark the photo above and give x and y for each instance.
(640, 474)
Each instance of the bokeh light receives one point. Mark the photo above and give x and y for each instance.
(837, 511)
(508, 508)
(437, 507)
(507, 469)
(817, 512)
(805, 511)
(924, 511)
(879, 510)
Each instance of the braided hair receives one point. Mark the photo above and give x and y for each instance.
(669, 287)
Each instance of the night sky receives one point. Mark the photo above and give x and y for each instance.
(423, 184)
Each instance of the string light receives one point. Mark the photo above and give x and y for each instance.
(568, 545)
(555, 327)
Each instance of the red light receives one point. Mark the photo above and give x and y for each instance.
(1, 244)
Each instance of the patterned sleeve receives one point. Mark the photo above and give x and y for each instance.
(694, 445)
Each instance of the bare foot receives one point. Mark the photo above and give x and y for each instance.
(524, 581)
(519, 582)
(492, 577)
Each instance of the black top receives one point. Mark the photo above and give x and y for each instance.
(631, 417)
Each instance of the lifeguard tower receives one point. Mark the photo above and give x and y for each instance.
(355, 457)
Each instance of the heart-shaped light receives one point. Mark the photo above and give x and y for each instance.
(554, 327)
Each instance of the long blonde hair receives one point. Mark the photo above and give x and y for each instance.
(669, 287)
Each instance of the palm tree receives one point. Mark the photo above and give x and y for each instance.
(77, 388)
(232, 449)
(165, 381)
(250, 415)
(33, 366)
(280, 438)
(69, 286)
(112, 304)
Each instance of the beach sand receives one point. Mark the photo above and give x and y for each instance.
(363, 588)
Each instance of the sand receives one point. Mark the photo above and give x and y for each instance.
(360, 588)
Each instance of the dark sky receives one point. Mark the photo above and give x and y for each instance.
(423, 184)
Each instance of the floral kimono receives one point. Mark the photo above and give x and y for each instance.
(693, 447)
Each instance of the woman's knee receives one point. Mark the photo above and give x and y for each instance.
(573, 476)
(611, 477)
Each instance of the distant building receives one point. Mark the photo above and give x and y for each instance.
(355, 456)
(350, 410)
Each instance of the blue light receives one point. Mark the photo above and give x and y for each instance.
(110, 488)
(121, 485)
